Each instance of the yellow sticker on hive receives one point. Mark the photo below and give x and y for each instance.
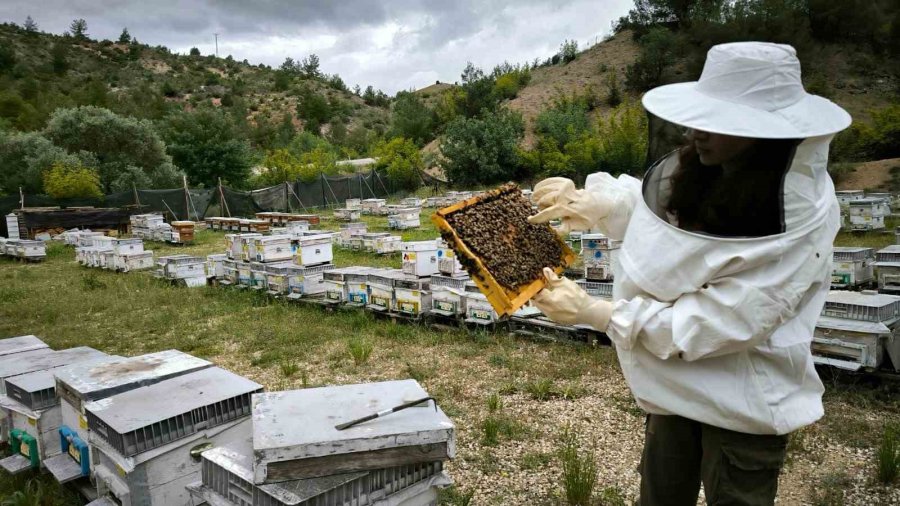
(73, 451)
(82, 422)
(410, 256)
(24, 449)
(32, 421)
(121, 470)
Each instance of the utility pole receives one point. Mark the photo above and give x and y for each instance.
(217, 44)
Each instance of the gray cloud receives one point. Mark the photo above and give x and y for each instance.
(392, 45)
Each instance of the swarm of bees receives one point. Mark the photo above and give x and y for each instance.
(496, 229)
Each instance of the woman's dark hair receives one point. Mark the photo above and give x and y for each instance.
(746, 202)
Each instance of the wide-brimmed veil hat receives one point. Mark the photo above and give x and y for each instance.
(748, 89)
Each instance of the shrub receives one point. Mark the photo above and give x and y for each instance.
(401, 159)
(613, 94)
(656, 55)
(482, 150)
(412, 119)
(208, 144)
(566, 119)
(494, 403)
(71, 181)
(623, 140)
(360, 350)
(889, 455)
(579, 476)
(568, 50)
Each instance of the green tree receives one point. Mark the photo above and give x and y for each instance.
(125, 37)
(207, 145)
(623, 140)
(194, 51)
(320, 161)
(30, 26)
(412, 119)
(7, 58)
(278, 167)
(58, 54)
(568, 50)
(313, 109)
(24, 157)
(79, 29)
(116, 141)
(656, 55)
(64, 181)
(479, 91)
(482, 150)
(565, 120)
(401, 159)
(310, 67)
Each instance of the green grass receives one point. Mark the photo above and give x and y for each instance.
(888, 455)
(579, 471)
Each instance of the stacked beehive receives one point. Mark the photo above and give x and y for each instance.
(404, 218)
(448, 293)
(152, 227)
(23, 249)
(123, 255)
(188, 270)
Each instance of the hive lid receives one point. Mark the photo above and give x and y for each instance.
(23, 363)
(21, 344)
(145, 406)
(96, 381)
(22, 386)
(298, 425)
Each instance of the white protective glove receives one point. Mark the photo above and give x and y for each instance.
(557, 197)
(565, 302)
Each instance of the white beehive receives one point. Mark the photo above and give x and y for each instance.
(353, 204)
(19, 344)
(448, 263)
(884, 197)
(386, 244)
(600, 256)
(346, 214)
(380, 284)
(229, 272)
(294, 434)
(478, 309)
(404, 218)
(244, 274)
(846, 196)
(448, 295)
(601, 289)
(12, 226)
(335, 283)
(372, 206)
(419, 258)
(134, 261)
(144, 440)
(227, 479)
(856, 330)
(272, 248)
(124, 246)
(31, 250)
(887, 262)
(867, 214)
(33, 408)
(411, 202)
(312, 249)
(258, 279)
(108, 259)
(852, 267)
(246, 247)
(304, 281)
(215, 266)
(357, 286)
(189, 269)
(277, 275)
(412, 296)
(78, 385)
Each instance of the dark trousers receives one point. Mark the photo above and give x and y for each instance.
(735, 468)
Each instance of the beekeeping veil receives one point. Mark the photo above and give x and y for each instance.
(747, 89)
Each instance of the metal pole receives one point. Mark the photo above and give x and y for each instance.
(217, 44)
(137, 199)
(222, 199)
(21, 198)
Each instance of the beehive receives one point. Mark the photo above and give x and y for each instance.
(478, 309)
(412, 296)
(852, 267)
(227, 479)
(304, 281)
(448, 264)
(144, 439)
(134, 261)
(312, 249)
(404, 218)
(272, 248)
(84, 383)
(448, 295)
(600, 256)
(856, 330)
(380, 284)
(19, 344)
(867, 214)
(126, 246)
(33, 408)
(337, 285)
(353, 204)
(215, 266)
(372, 206)
(512, 252)
(357, 285)
(347, 214)
(294, 435)
(419, 258)
(887, 261)
(600, 289)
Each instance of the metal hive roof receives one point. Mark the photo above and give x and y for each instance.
(20, 344)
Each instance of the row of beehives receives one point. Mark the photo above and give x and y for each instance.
(264, 222)
(94, 249)
(356, 237)
(862, 211)
(169, 429)
(153, 227)
(24, 249)
(859, 267)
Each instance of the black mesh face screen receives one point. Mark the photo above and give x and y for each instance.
(664, 137)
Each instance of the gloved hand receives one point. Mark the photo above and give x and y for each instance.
(565, 302)
(557, 197)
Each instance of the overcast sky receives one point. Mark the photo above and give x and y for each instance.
(390, 44)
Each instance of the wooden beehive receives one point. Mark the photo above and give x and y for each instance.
(503, 299)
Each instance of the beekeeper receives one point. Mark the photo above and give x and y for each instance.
(722, 273)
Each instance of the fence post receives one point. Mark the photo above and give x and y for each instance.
(21, 198)
(187, 205)
(224, 205)
(137, 200)
(287, 198)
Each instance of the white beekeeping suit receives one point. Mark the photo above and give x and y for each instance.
(718, 329)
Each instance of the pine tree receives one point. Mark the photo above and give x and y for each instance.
(30, 25)
(79, 28)
(125, 38)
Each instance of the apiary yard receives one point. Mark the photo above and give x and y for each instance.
(511, 399)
